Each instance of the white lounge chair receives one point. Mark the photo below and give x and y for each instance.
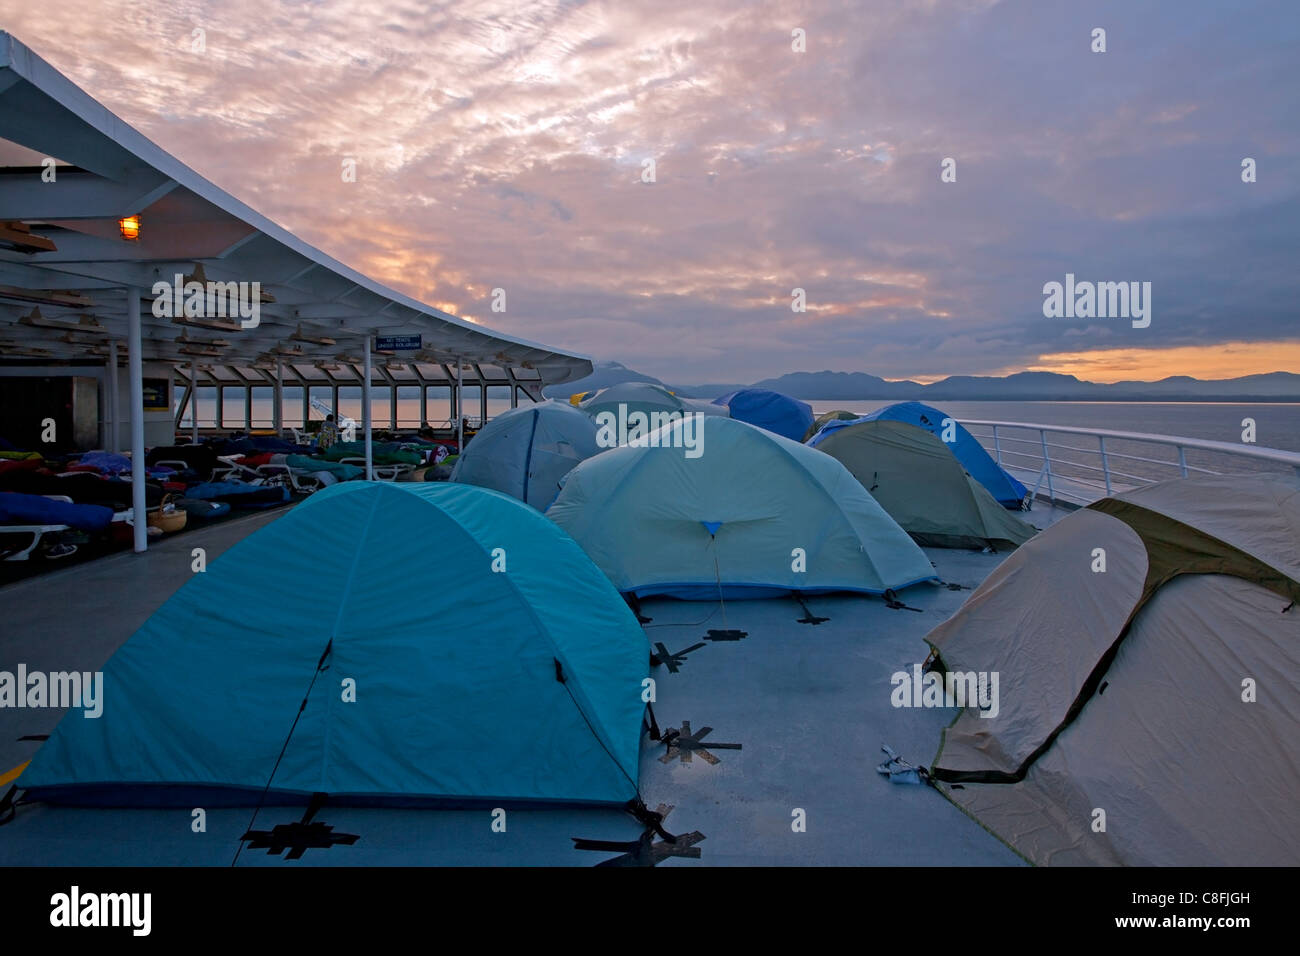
(382, 472)
(37, 531)
(301, 481)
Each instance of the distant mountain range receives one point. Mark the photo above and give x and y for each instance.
(1021, 387)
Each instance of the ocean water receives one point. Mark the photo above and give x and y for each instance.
(1078, 456)
(1276, 426)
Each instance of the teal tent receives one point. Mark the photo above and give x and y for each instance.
(526, 451)
(710, 503)
(471, 686)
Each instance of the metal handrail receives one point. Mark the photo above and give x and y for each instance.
(1048, 464)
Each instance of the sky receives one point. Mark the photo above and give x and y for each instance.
(504, 145)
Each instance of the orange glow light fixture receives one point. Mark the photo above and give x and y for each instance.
(130, 227)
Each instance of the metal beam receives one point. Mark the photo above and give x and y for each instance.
(194, 402)
(113, 400)
(80, 194)
(365, 413)
(140, 517)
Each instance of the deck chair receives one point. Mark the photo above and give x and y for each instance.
(302, 482)
(37, 532)
(382, 472)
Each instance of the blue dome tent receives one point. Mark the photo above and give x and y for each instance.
(502, 670)
(979, 464)
(786, 416)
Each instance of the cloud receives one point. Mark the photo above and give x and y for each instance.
(500, 145)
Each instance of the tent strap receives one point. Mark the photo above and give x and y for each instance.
(651, 819)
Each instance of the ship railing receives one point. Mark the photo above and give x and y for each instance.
(1074, 466)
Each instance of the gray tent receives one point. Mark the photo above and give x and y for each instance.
(526, 451)
(1160, 691)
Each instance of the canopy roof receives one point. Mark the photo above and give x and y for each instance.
(64, 265)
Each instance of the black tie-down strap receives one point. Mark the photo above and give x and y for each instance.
(634, 605)
(644, 851)
(650, 723)
(894, 604)
(300, 836)
(808, 616)
(650, 819)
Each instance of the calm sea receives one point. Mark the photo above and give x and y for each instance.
(1276, 426)
(1078, 456)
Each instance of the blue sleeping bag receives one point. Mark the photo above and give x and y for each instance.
(240, 495)
(35, 509)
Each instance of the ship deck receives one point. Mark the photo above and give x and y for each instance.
(809, 705)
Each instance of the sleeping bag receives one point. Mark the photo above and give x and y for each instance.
(240, 495)
(33, 509)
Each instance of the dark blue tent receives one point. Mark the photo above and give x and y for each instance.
(786, 416)
(978, 463)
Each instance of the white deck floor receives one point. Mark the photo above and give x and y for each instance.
(808, 703)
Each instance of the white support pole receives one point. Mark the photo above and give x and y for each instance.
(460, 413)
(135, 366)
(277, 407)
(114, 403)
(194, 402)
(365, 414)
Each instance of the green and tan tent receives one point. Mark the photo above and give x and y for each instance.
(835, 415)
(918, 480)
(1147, 649)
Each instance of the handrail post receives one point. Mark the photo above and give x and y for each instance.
(1105, 465)
(1182, 460)
(997, 445)
(1047, 464)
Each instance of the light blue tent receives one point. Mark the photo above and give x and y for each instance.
(526, 451)
(472, 686)
(788, 417)
(979, 464)
(709, 503)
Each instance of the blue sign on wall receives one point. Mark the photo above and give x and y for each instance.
(398, 343)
